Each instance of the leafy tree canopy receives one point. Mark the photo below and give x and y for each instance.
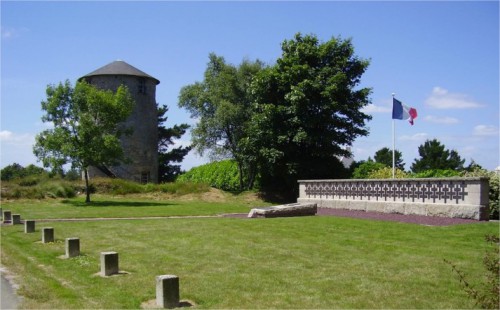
(87, 126)
(366, 168)
(308, 108)
(222, 103)
(433, 155)
(15, 171)
(384, 156)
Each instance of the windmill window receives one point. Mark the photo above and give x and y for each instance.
(145, 177)
(142, 86)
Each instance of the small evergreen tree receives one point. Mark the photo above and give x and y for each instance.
(433, 155)
(384, 156)
(167, 171)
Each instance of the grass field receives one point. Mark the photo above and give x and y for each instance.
(133, 206)
(307, 262)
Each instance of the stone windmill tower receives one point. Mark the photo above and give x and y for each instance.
(141, 148)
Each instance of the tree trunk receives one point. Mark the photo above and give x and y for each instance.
(251, 177)
(240, 168)
(87, 189)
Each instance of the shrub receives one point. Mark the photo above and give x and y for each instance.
(386, 173)
(363, 170)
(16, 171)
(494, 182)
(223, 175)
(436, 173)
(57, 189)
(38, 190)
(29, 181)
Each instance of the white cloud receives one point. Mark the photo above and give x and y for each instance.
(372, 108)
(9, 33)
(5, 135)
(16, 148)
(441, 98)
(485, 130)
(416, 137)
(10, 138)
(445, 120)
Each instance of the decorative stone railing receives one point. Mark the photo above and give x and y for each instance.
(448, 197)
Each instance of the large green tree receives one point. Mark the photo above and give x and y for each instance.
(167, 155)
(384, 156)
(15, 170)
(433, 155)
(87, 125)
(222, 104)
(309, 107)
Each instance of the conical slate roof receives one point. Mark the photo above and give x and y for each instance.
(119, 67)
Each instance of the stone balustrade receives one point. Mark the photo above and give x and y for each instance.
(448, 197)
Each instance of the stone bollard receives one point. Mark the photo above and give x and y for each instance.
(47, 234)
(72, 247)
(29, 226)
(7, 216)
(167, 291)
(109, 263)
(16, 219)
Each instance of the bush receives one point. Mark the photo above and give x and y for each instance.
(494, 194)
(364, 170)
(386, 173)
(223, 175)
(436, 173)
(29, 181)
(58, 189)
(38, 190)
(124, 187)
(16, 171)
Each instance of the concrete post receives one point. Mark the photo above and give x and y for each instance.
(7, 216)
(47, 234)
(167, 291)
(16, 219)
(29, 226)
(109, 263)
(72, 247)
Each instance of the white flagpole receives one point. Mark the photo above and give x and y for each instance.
(393, 143)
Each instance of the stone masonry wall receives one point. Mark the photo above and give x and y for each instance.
(448, 197)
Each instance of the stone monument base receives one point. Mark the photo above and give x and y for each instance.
(292, 209)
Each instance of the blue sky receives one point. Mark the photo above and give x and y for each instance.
(441, 58)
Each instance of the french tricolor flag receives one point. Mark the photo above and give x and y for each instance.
(401, 111)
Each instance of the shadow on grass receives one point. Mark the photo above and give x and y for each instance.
(116, 203)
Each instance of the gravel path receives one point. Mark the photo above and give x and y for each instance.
(415, 219)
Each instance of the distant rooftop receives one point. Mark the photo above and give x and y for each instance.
(119, 67)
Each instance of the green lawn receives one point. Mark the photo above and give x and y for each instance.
(307, 262)
(120, 207)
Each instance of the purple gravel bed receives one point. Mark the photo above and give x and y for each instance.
(414, 219)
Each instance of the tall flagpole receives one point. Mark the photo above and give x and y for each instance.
(393, 143)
